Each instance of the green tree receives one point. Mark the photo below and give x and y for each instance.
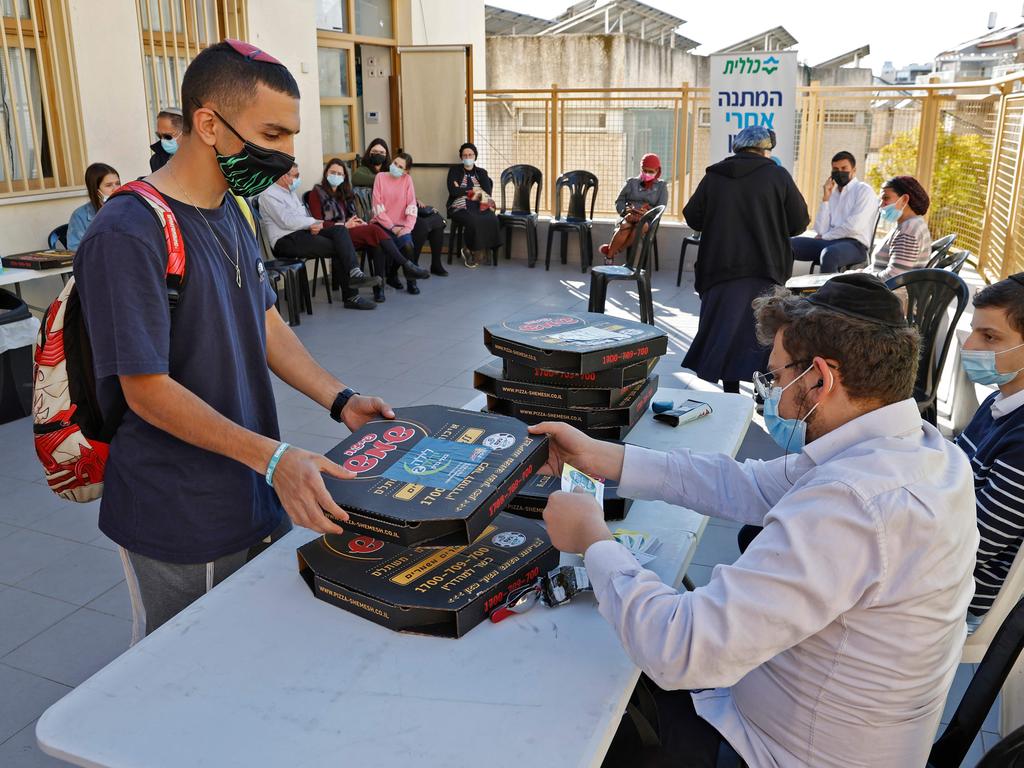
(959, 180)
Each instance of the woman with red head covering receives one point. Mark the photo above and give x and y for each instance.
(638, 195)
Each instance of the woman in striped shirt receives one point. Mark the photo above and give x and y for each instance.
(903, 202)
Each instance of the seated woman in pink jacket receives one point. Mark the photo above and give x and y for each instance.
(394, 209)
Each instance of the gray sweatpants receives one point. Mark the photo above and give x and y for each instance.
(160, 590)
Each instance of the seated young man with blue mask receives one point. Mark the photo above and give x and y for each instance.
(994, 440)
(861, 577)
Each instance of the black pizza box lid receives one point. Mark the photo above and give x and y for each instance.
(578, 342)
(433, 473)
(441, 591)
(625, 414)
(610, 378)
(534, 497)
(490, 379)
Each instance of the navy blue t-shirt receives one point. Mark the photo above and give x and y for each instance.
(162, 497)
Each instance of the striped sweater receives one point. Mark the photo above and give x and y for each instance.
(995, 447)
(907, 247)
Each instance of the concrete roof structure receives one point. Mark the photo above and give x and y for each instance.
(850, 57)
(775, 39)
(595, 17)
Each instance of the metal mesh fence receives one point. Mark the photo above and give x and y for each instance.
(968, 158)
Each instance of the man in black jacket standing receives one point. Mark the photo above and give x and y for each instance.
(746, 208)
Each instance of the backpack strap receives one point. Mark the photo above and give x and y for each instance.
(243, 206)
(172, 233)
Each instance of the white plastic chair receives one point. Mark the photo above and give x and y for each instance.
(1011, 713)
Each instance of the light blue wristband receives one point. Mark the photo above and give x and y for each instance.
(273, 462)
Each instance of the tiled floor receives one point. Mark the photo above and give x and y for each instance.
(64, 610)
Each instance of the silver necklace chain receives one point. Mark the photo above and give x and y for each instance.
(237, 262)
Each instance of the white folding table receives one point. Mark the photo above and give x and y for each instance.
(260, 673)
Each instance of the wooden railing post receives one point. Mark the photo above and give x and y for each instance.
(997, 148)
(556, 130)
(927, 136)
(682, 161)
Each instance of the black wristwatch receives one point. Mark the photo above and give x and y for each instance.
(340, 401)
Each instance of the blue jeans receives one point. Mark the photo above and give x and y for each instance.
(832, 255)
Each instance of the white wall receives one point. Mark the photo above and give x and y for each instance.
(290, 36)
(447, 22)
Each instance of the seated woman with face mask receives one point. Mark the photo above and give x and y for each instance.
(100, 182)
(333, 203)
(908, 246)
(638, 195)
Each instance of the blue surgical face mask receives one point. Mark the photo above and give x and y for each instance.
(295, 183)
(890, 214)
(468, 162)
(335, 179)
(980, 366)
(170, 145)
(789, 434)
(395, 171)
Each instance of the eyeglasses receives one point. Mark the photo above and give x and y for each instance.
(251, 52)
(763, 382)
(167, 136)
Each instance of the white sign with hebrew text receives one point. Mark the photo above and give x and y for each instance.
(754, 89)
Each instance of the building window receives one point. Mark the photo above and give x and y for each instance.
(841, 117)
(373, 18)
(41, 145)
(336, 64)
(332, 15)
(173, 33)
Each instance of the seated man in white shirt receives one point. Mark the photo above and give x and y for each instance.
(833, 640)
(844, 221)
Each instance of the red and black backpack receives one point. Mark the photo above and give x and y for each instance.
(72, 437)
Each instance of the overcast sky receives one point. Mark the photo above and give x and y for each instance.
(897, 31)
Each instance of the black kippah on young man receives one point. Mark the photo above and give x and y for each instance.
(862, 296)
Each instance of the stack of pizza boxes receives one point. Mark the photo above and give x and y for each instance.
(593, 371)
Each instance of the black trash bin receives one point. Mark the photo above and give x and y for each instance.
(15, 357)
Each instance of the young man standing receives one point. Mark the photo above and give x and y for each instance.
(168, 131)
(197, 474)
(834, 638)
(844, 220)
(994, 440)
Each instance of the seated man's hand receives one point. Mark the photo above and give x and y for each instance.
(360, 409)
(316, 227)
(575, 521)
(300, 487)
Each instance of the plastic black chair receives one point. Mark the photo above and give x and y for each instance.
(940, 248)
(58, 239)
(929, 294)
(581, 185)
(525, 179)
(688, 240)
(952, 746)
(637, 259)
(292, 271)
(952, 261)
(1008, 753)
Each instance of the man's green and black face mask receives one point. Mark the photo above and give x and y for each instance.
(252, 169)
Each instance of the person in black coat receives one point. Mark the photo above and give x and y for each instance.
(169, 123)
(746, 208)
(470, 205)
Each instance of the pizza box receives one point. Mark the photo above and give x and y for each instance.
(534, 497)
(578, 342)
(443, 592)
(490, 379)
(433, 473)
(38, 260)
(610, 378)
(625, 414)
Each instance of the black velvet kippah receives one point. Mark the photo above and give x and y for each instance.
(862, 296)
(1018, 278)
